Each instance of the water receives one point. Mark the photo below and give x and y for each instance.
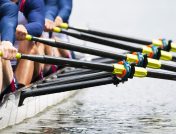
(135, 107)
(128, 108)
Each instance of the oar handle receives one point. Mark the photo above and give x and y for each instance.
(18, 55)
(64, 25)
(57, 29)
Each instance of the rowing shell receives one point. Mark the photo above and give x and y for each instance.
(11, 113)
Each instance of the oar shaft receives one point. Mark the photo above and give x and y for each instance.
(115, 69)
(98, 52)
(78, 48)
(112, 36)
(164, 55)
(64, 88)
(161, 75)
(69, 62)
(103, 41)
(168, 67)
(84, 71)
(163, 44)
(77, 78)
(76, 72)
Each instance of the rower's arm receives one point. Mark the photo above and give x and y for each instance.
(51, 9)
(35, 17)
(65, 8)
(8, 20)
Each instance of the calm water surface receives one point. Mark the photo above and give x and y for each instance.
(135, 107)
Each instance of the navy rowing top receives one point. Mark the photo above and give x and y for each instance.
(34, 11)
(8, 20)
(54, 8)
(64, 9)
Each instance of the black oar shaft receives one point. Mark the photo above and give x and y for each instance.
(161, 75)
(85, 71)
(64, 88)
(84, 84)
(77, 78)
(93, 51)
(106, 42)
(78, 48)
(112, 36)
(76, 72)
(103, 41)
(68, 62)
(168, 67)
(97, 66)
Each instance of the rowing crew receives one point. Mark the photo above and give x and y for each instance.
(19, 18)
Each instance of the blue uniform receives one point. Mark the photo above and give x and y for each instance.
(54, 8)
(34, 11)
(64, 9)
(8, 20)
(51, 9)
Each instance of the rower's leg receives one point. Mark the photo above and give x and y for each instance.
(39, 67)
(8, 74)
(49, 51)
(25, 68)
(63, 52)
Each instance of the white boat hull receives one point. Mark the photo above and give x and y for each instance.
(11, 114)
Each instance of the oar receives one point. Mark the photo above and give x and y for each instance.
(76, 78)
(164, 44)
(78, 71)
(124, 70)
(139, 59)
(81, 85)
(63, 88)
(152, 52)
(85, 71)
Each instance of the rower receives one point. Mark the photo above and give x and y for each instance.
(63, 15)
(31, 21)
(8, 22)
(56, 11)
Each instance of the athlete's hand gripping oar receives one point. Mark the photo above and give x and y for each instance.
(123, 70)
(152, 52)
(162, 43)
(138, 58)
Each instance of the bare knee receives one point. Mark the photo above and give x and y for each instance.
(27, 47)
